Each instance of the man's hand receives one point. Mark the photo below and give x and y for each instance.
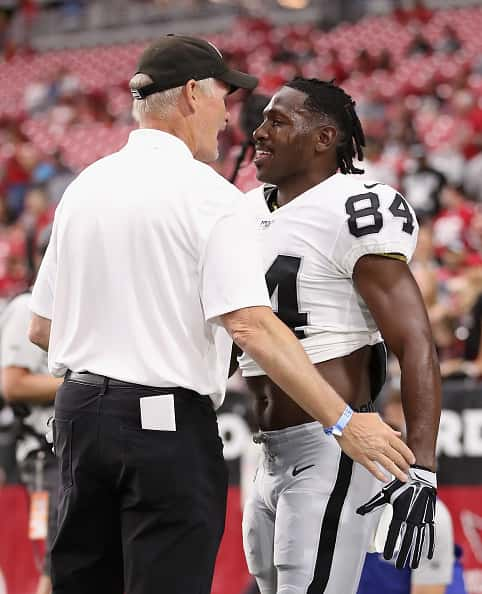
(413, 505)
(368, 440)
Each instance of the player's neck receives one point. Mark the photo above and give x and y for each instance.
(291, 188)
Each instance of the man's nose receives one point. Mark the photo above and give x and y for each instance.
(259, 133)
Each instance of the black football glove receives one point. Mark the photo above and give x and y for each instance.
(413, 505)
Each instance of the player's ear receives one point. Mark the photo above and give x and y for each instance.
(326, 138)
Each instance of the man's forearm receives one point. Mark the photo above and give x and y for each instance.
(421, 397)
(276, 349)
(30, 387)
(39, 331)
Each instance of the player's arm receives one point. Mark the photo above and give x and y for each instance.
(366, 439)
(392, 295)
(39, 331)
(20, 385)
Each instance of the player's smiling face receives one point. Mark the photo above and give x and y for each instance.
(286, 140)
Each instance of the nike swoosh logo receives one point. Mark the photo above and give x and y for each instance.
(297, 470)
(370, 186)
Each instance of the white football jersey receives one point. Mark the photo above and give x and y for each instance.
(310, 247)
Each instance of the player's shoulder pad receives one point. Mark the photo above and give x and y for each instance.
(363, 185)
(388, 197)
(348, 185)
(383, 191)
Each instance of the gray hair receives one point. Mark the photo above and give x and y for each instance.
(161, 103)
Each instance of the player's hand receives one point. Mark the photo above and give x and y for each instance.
(413, 505)
(371, 442)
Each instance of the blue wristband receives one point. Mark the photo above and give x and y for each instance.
(342, 422)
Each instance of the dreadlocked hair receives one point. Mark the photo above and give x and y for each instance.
(327, 99)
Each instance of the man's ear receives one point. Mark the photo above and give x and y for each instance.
(190, 96)
(326, 138)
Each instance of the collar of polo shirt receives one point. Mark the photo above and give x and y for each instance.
(149, 137)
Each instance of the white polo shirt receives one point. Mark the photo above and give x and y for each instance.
(148, 248)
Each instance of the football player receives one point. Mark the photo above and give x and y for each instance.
(336, 251)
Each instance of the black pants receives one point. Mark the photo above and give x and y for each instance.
(140, 512)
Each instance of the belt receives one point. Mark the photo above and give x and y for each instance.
(94, 379)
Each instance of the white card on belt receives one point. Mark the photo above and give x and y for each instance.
(158, 413)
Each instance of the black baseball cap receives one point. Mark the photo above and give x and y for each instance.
(174, 59)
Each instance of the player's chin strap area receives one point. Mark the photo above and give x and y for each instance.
(412, 524)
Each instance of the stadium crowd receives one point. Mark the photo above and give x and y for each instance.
(416, 76)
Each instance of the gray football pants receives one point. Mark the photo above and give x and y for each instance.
(301, 534)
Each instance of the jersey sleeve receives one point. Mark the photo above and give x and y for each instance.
(375, 222)
(16, 349)
(439, 569)
(232, 274)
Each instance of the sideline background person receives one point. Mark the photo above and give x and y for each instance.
(30, 389)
